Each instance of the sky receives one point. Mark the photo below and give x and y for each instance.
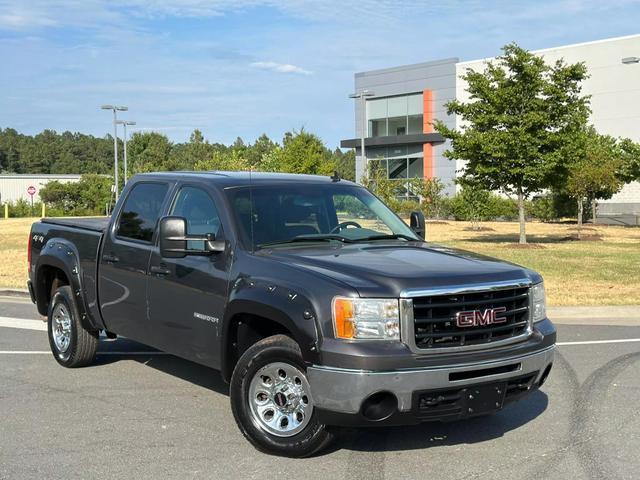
(240, 68)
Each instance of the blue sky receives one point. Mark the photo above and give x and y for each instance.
(244, 67)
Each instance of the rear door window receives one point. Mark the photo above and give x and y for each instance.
(141, 211)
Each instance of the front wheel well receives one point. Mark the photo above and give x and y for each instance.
(244, 331)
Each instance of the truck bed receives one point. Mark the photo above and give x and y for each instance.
(94, 224)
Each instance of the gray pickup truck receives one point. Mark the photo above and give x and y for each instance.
(317, 304)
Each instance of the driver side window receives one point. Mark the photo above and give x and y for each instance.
(197, 207)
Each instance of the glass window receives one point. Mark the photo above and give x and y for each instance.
(377, 108)
(141, 211)
(270, 215)
(197, 207)
(397, 126)
(392, 116)
(376, 152)
(398, 168)
(416, 168)
(415, 105)
(397, 151)
(378, 128)
(415, 124)
(397, 106)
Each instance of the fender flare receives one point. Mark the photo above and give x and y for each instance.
(63, 255)
(306, 337)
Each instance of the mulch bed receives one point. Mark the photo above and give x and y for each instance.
(479, 229)
(588, 237)
(526, 246)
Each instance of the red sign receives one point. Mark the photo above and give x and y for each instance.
(31, 190)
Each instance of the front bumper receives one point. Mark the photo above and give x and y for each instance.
(341, 395)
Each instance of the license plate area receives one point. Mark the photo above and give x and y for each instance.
(459, 402)
(485, 398)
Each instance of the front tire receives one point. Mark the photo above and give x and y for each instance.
(271, 400)
(71, 344)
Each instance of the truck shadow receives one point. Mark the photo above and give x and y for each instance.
(367, 439)
(436, 434)
(124, 349)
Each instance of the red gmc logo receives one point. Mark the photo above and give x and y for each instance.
(475, 318)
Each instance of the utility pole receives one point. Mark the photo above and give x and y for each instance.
(362, 95)
(124, 124)
(115, 109)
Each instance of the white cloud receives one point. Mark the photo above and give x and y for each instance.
(280, 67)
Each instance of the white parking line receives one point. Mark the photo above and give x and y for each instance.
(39, 325)
(48, 352)
(23, 323)
(598, 342)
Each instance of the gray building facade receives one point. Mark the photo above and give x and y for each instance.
(393, 113)
(398, 131)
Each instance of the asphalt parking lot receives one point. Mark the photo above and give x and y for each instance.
(139, 414)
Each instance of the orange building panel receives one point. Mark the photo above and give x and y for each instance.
(427, 127)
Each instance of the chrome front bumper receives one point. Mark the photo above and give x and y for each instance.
(343, 390)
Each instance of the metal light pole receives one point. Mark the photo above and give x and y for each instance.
(124, 124)
(362, 95)
(115, 140)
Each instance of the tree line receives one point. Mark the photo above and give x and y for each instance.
(75, 153)
(50, 152)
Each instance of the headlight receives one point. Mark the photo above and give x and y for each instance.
(538, 302)
(366, 318)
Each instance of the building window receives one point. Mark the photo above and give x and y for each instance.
(391, 116)
(399, 163)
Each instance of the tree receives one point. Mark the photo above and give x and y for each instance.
(345, 164)
(302, 152)
(630, 160)
(231, 160)
(520, 114)
(595, 174)
(150, 152)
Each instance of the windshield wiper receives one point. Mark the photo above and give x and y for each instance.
(394, 236)
(308, 238)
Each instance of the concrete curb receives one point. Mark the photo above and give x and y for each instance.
(14, 292)
(614, 315)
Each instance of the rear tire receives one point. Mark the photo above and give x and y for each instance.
(271, 400)
(71, 344)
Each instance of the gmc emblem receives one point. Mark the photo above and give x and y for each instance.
(475, 318)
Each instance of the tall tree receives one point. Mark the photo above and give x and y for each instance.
(630, 156)
(302, 152)
(520, 113)
(150, 152)
(595, 174)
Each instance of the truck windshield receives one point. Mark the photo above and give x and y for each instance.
(285, 214)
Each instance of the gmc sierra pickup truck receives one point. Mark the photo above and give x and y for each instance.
(318, 304)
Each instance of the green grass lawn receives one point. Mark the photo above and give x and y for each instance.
(586, 272)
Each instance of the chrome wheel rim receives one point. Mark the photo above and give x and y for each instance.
(61, 328)
(280, 399)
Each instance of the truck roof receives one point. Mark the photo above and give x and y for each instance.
(229, 179)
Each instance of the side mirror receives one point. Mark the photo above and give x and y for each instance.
(417, 224)
(174, 240)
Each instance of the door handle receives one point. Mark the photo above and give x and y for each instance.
(110, 258)
(160, 270)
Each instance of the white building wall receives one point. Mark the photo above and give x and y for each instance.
(13, 187)
(614, 88)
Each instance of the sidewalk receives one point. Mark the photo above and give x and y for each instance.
(621, 315)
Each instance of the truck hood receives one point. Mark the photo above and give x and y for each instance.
(386, 270)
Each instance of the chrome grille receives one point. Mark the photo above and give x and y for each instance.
(434, 318)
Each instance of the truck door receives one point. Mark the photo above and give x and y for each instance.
(125, 259)
(187, 296)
